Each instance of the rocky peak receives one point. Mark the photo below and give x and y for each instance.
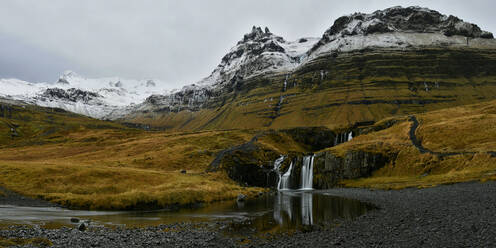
(255, 43)
(256, 34)
(66, 77)
(412, 19)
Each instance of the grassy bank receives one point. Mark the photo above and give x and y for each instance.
(104, 187)
(467, 129)
(80, 162)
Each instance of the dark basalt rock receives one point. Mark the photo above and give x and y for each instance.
(71, 94)
(249, 164)
(330, 169)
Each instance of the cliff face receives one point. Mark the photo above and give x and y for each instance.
(339, 89)
(330, 169)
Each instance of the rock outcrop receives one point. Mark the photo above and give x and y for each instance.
(329, 169)
(249, 164)
(72, 94)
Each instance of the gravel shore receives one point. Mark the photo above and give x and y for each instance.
(458, 215)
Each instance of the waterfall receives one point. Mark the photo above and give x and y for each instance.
(342, 137)
(277, 165)
(284, 180)
(307, 173)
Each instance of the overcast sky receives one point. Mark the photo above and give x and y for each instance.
(178, 42)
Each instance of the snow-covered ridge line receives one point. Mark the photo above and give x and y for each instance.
(96, 97)
(414, 19)
(259, 52)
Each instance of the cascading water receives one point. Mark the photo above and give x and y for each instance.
(343, 137)
(284, 180)
(307, 173)
(277, 165)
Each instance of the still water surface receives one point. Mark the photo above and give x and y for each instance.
(286, 210)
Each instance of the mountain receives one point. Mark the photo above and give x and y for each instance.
(100, 98)
(364, 68)
(259, 53)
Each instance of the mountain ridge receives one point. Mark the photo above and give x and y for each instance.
(266, 64)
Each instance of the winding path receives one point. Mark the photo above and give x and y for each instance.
(418, 144)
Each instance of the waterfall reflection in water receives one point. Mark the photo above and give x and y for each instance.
(293, 209)
(286, 210)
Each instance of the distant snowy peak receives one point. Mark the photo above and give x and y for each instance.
(390, 21)
(104, 98)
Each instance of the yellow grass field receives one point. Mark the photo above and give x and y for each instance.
(469, 128)
(80, 162)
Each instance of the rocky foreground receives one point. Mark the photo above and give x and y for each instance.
(459, 215)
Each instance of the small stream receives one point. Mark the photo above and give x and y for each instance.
(286, 211)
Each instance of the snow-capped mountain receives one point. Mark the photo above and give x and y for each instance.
(95, 97)
(397, 27)
(260, 52)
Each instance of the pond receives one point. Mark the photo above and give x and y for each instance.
(283, 211)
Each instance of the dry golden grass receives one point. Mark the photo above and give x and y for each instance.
(452, 170)
(459, 129)
(104, 187)
(91, 164)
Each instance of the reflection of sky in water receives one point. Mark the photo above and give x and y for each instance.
(287, 209)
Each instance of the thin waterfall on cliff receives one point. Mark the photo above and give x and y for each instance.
(277, 165)
(307, 173)
(343, 137)
(284, 180)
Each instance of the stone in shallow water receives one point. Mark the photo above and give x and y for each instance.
(82, 227)
(241, 198)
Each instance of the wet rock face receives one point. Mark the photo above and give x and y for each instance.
(329, 169)
(398, 19)
(72, 94)
(249, 164)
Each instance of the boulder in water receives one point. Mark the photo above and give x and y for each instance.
(82, 227)
(241, 198)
